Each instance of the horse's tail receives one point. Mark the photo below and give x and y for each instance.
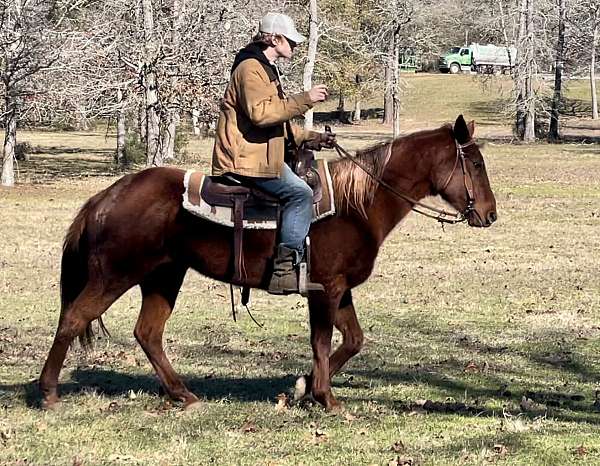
(74, 274)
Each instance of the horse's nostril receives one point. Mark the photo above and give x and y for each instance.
(492, 217)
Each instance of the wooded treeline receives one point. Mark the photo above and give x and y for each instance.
(149, 65)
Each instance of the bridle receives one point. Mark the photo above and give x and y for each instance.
(442, 215)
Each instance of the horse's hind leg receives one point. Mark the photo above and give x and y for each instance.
(346, 322)
(159, 292)
(88, 306)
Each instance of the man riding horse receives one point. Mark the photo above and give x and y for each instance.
(254, 138)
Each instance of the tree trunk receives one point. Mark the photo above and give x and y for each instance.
(388, 104)
(10, 140)
(171, 120)
(526, 98)
(396, 83)
(120, 159)
(341, 107)
(169, 132)
(309, 67)
(593, 70)
(196, 121)
(553, 133)
(357, 110)
(153, 152)
(529, 135)
(519, 71)
(12, 23)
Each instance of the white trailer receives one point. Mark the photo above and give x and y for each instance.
(492, 59)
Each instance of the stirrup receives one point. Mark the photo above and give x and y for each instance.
(305, 286)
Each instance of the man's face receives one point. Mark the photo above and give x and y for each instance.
(284, 47)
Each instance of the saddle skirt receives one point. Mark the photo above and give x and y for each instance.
(205, 197)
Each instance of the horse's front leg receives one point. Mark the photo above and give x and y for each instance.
(346, 322)
(322, 311)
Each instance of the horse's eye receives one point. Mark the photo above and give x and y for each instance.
(477, 163)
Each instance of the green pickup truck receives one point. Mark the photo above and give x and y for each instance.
(478, 58)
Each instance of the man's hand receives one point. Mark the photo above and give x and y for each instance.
(318, 93)
(325, 140)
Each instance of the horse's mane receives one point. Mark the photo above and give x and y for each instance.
(353, 187)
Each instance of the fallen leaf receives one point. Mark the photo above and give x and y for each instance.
(472, 367)
(398, 447)
(113, 407)
(349, 417)
(580, 451)
(401, 461)
(5, 433)
(500, 449)
(527, 404)
(283, 402)
(249, 427)
(131, 395)
(319, 433)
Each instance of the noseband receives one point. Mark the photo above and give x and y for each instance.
(442, 216)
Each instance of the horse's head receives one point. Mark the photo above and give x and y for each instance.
(461, 178)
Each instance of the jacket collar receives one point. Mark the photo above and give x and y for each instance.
(254, 51)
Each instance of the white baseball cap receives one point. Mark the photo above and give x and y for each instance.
(278, 23)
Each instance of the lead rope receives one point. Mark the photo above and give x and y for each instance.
(442, 214)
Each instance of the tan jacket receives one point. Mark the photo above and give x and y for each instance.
(250, 133)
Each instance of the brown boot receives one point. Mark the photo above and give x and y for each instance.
(285, 278)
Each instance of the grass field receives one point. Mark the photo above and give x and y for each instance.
(481, 345)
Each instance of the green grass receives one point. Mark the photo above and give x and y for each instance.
(469, 320)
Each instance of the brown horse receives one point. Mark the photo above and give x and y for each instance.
(135, 232)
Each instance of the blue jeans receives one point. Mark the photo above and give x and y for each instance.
(296, 197)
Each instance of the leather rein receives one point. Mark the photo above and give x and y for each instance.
(442, 215)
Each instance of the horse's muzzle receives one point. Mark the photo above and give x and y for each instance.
(476, 220)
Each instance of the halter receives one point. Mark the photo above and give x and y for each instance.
(443, 216)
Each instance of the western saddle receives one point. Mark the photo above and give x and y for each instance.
(250, 203)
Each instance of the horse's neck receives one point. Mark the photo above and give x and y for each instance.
(388, 209)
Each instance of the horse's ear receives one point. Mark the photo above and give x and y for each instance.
(471, 128)
(462, 132)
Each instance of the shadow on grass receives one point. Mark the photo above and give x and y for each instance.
(42, 168)
(345, 116)
(488, 111)
(114, 383)
(558, 406)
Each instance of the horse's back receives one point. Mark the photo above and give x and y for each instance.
(135, 211)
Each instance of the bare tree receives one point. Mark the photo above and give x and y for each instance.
(553, 133)
(309, 67)
(29, 45)
(584, 20)
(524, 73)
(594, 14)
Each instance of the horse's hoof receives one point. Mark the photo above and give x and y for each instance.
(51, 405)
(193, 406)
(335, 408)
(300, 388)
